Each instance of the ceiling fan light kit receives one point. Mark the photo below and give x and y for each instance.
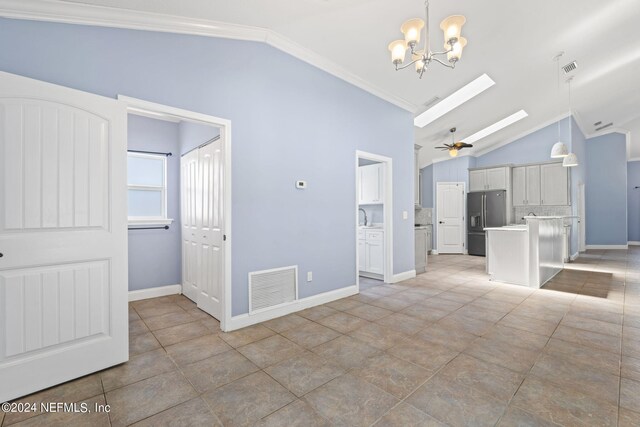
(412, 30)
(454, 147)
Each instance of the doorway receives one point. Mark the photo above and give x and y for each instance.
(450, 209)
(374, 219)
(204, 203)
(582, 222)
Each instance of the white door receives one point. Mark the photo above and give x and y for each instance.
(63, 235)
(210, 217)
(478, 180)
(497, 179)
(519, 184)
(189, 194)
(450, 215)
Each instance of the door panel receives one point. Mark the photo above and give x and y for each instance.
(210, 213)
(63, 233)
(450, 212)
(533, 185)
(189, 195)
(519, 184)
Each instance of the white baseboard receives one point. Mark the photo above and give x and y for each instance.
(403, 276)
(433, 252)
(633, 243)
(160, 291)
(244, 320)
(574, 256)
(607, 246)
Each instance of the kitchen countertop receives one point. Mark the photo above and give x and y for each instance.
(507, 228)
(371, 227)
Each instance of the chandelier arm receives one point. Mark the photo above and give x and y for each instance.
(407, 65)
(442, 53)
(444, 63)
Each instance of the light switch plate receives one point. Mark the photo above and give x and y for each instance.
(309, 276)
(405, 215)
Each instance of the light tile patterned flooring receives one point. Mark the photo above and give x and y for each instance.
(445, 348)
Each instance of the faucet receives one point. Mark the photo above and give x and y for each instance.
(365, 216)
(531, 214)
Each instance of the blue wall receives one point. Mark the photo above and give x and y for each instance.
(633, 201)
(606, 190)
(532, 148)
(427, 186)
(154, 255)
(275, 103)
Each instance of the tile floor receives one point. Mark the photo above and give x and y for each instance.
(445, 348)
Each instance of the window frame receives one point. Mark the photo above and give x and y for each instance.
(142, 221)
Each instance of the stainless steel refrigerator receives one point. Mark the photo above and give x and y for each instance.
(484, 209)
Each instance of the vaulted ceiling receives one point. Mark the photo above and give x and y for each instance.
(513, 41)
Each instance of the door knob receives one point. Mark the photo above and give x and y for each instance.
(1, 254)
(440, 222)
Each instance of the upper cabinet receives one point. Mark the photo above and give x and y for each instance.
(535, 185)
(488, 179)
(371, 184)
(554, 189)
(526, 185)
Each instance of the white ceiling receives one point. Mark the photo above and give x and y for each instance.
(512, 41)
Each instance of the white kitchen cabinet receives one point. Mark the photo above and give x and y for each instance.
(496, 179)
(488, 179)
(429, 239)
(554, 188)
(371, 253)
(526, 185)
(371, 185)
(477, 180)
(362, 254)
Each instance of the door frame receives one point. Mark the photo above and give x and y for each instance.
(387, 212)
(165, 112)
(463, 229)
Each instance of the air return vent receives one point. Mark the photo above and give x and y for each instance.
(269, 288)
(604, 126)
(570, 67)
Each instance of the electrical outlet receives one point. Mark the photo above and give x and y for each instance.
(309, 276)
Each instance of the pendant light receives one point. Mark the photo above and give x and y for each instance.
(559, 149)
(571, 160)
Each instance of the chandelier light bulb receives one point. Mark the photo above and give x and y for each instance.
(456, 50)
(452, 27)
(419, 61)
(411, 30)
(398, 50)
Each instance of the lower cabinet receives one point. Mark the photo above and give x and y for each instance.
(421, 243)
(371, 253)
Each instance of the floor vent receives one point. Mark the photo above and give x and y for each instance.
(269, 288)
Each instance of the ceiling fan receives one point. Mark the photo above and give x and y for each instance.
(454, 147)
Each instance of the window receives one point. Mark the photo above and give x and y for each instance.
(147, 189)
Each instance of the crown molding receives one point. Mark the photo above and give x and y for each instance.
(84, 14)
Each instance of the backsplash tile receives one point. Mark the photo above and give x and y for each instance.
(424, 216)
(522, 211)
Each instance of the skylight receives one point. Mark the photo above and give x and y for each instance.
(507, 121)
(454, 100)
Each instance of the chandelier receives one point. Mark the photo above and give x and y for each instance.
(422, 57)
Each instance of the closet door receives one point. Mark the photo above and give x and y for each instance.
(210, 218)
(189, 194)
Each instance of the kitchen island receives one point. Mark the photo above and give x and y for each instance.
(529, 254)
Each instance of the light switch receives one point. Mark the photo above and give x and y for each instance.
(405, 215)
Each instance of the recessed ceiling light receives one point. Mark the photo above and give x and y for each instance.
(454, 100)
(496, 127)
